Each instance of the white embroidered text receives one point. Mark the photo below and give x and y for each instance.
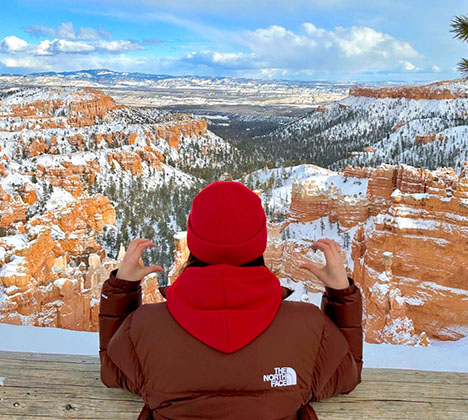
(283, 376)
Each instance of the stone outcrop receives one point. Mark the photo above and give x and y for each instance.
(70, 176)
(310, 202)
(439, 90)
(61, 108)
(429, 138)
(52, 275)
(172, 132)
(11, 211)
(128, 161)
(420, 220)
(181, 253)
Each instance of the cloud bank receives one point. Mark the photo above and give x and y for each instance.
(272, 51)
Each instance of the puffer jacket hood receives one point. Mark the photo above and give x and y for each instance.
(225, 306)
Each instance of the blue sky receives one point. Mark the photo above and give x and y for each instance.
(346, 40)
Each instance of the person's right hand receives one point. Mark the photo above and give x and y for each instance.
(333, 274)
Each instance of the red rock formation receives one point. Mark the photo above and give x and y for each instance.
(420, 219)
(310, 202)
(27, 193)
(40, 286)
(51, 265)
(131, 138)
(181, 253)
(76, 140)
(152, 157)
(12, 209)
(399, 125)
(438, 90)
(80, 107)
(128, 161)
(172, 132)
(426, 138)
(37, 147)
(70, 176)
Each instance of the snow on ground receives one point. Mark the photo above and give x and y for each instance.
(48, 340)
(278, 197)
(451, 356)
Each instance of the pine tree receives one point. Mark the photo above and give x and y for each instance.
(460, 29)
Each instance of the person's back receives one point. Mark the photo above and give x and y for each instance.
(225, 344)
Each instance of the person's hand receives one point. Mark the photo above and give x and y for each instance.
(132, 267)
(333, 274)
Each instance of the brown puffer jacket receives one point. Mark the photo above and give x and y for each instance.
(226, 345)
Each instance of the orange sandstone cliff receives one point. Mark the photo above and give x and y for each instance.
(51, 264)
(449, 89)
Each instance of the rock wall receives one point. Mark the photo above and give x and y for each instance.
(78, 108)
(310, 202)
(52, 274)
(172, 132)
(439, 90)
(411, 260)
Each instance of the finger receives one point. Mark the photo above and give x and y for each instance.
(153, 268)
(326, 249)
(333, 243)
(142, 246)
(137, 252)
(134, 243)
(312, 267)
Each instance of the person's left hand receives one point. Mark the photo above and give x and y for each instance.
(132, 267)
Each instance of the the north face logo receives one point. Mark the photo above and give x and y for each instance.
(283, 376)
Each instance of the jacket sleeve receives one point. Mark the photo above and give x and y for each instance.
(339, 360)
(120, 367)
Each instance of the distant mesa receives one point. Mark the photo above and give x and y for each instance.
(450, 89)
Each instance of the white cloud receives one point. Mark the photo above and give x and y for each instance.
(66, 41)
(65, 46)
(278, 50)
(436, 68)
(58, 46)
(217, 59)
(13, 44)
(408, 66)
(44, 47)
(67, 31)
(72, 62)
(90, 33)
(120, 45)
(18, 62)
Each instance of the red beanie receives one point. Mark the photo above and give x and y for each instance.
(227, 224)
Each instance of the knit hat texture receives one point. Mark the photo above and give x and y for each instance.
(227, 224)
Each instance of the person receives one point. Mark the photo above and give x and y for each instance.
(226, 344)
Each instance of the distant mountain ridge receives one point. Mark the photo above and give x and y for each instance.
(102, 74)
(425, 126)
